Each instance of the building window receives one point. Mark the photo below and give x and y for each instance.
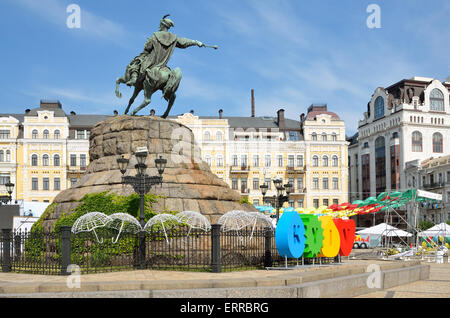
(267, 160)
(34, 134)
(8, 155)
(219, 136)
(280, 160)
(314, 137)
(56, 184)
(324, 137)
(243, 184)
(325, 161)
(325, 183)
(291, 160)
(4, 178)
(335, 183)
(268, 183)
(300, 203)
(315, 161)
(56, 160)
(316, 203)
(380, 164)
(315, 183)
(300, 184)
(56, 134)
(255, 183)
(219, 161)
(379, 107)
(4, 134)
(335, 161)
(299, 161)
(256, 202)
(34, 184)
(293, 136)
(292, 203)
(334, 137)
(2, 156)
(83, 163)
(234, 183)
(438, 143)
(73, 160)
(437, 100)
(46, 134)
(207, 136)
(335, 201)
(292, 183)
(244, 162)
(34, 160)
(255, 161)
(45, 160)
(234, 161)
(80, 134)
(73, 181)
(46, 184)
(326, 202)
(365, 174)
(207, 159)
(417, 141)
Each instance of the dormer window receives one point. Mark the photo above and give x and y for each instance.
(437, 100)
(379, 107)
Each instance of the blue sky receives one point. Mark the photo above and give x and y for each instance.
(293, 53)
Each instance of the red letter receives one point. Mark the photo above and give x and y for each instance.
(346, 230)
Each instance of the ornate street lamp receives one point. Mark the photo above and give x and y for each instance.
(142, 182)
(7, 198)
(280, 198)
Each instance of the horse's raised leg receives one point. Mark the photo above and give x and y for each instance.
(120, 80)
(137, 90)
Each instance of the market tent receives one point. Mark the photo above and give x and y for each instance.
(385, 230)
(442, 229)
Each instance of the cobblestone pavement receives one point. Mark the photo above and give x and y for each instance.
(437, 286)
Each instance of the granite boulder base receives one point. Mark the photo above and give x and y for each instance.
(188, 183)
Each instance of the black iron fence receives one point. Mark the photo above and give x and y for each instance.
(180, 248)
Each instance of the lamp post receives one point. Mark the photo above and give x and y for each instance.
(142, 182)
(279, 199)
(7, 198)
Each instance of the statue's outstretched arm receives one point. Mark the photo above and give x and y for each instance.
(183, 43)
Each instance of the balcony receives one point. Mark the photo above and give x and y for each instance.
(240, 169)
(435, 185)
(292, 169)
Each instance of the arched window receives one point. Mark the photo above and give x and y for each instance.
(34, 134)
(34, 160)
(219, 136)
(8, 156)
(438, 143)
(314, 136)
(325, 161)
(45, 160)
(56, 160)
(207, 136)
(324, 137)
(208, 160)
(46, 134)
(315, 161)
(416, 141)
(2, 156)
(379, 107)
(57, 134)
(335, 161)
(334, 137)
(437, 100)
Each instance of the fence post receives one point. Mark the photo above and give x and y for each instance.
(216, 265)
(6, 252)
(65, 249)
(142, 249)
(268, 247)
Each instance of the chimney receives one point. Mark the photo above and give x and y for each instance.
(116, 113)
(281, 122)
(192, 111)
(220, 113)
(50, 104)
(27, 110)
(302, 117)
(72, 113)
(152, 112)
(253, 103)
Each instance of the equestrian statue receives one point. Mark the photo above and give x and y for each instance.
(149, 71)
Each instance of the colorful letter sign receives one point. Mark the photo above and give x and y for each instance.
(290, 235)
(314, 235)
(346, 230)
(331, 239)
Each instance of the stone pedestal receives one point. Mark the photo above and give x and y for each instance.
(188, 183)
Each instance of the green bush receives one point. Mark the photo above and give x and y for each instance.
(425, 225)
